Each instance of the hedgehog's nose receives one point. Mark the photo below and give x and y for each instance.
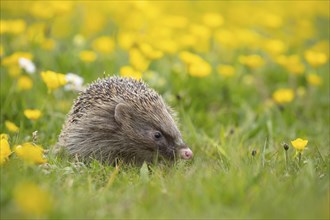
(185, 153)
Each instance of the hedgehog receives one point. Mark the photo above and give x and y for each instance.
(117, 118)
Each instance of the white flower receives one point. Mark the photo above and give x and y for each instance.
(27, 65)
(79, 40)
(74, 82)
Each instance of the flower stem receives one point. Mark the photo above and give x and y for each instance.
(299, 158)
(286, 159)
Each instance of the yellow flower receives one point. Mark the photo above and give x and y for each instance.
(12, 26)
(32, 114)
(30, 153)
(103, 44)
(127, 71)
(53, 80)
(31, 199)
(167, 46)
(87, 56)
(315, 59)
(138, 60)
(252, 61)
(189, 58)
(11, 126)
(36, 32)
(246, 37)
(4, 136)
(213, 20)
(226, 70)
(13, 58)
(226, 38)
(299, 144)
(48, 44)
(282, 96)
(126, 40)
(199, 69)
(93, 21)
(271, 20)
(314, 79)
(275, 47)
(202, 35)
(2, 51)
(174, 21)
(187, 40)
(14, 71)
(4, 149)
(292, 63)
(149, 52)
(24, 83)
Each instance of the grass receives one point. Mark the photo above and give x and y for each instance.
(223, 181)
(240, 169)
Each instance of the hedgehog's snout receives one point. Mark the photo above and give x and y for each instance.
(185, 153)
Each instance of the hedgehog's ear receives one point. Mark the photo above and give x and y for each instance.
(121, 112)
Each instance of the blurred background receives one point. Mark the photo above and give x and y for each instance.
(218, 56)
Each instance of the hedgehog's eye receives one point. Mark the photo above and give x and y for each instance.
(157, 135)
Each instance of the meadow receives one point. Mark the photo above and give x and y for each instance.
(248, 79)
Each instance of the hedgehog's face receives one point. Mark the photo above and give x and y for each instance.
(155, 134)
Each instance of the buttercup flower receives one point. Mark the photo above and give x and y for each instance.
(138, 60)
(127, 71)
(271, 20)
(103, 44)
(11, 126)
(2, 51)
(274, 46)
(126, 40)
(226, 38)
(31, 199)
(292, 63)
(189, 58)
(24, 83)
(14, 70)
(252, 61)
(299, 144)
(16, 26)
(53, 80)
(199, 69)
(13, 58)
(30, 153)
(32, 114)
(149, 52)
(4, 148)
(282, 96)
(314, 79)
(48, 44)
(213, 20)
(315, 59)
(167, 46)
(226, 70)
(4, 136)
(196, 66)
(202, 35)
(87, 56)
